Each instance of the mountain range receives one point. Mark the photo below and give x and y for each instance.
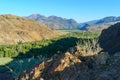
(100, 24)
(55, 22)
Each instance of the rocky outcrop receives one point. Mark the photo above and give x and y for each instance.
(109, 39)
(14, 29)
(62, 67)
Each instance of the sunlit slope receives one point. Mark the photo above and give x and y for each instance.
(14, 29)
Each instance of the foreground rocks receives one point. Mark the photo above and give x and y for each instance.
(61, 67)
(68, 66)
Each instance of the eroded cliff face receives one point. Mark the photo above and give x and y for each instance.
(14, 29)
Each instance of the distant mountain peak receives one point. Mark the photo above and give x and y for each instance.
(36, 15)
(110, 17)
(100, 24)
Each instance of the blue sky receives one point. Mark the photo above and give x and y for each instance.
(80, 10)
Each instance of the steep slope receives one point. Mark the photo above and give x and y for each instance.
(99, 27)
(55, 22)
(14, 29)
(109, 39)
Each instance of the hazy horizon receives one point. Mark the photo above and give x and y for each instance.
(81, 11)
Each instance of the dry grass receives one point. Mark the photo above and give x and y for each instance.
(5, 60)
(60, 32)
(88, 48)
(93, 50)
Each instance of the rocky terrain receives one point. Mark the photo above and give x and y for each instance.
(109, 39)
(14, 29)
(77, 64)
(69, 66)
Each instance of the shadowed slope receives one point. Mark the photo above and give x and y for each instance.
(109, 39)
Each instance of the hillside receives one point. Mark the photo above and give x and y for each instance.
(99, 27)
(14, 29)
(55, 22)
